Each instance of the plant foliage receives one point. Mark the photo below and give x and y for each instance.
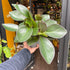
(5, 50)
(32, 31)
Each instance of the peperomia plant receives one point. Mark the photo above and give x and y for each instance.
(41, 29)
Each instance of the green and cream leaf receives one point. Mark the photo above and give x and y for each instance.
(24, 33)
(23, 10)
(56, 31)
(47, 50)
(50, 22)
(45, 17)
(10, 27)
(16, 15)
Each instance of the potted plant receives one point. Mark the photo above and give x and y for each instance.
(41, 30)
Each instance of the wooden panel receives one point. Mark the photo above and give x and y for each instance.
(9, 35)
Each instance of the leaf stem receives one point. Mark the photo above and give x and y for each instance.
(43, 34)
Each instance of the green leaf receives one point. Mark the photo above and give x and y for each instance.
(10, 27)
(24, 33)
(56, 31)
(32, 40)
(45, 17)
(23, 10)
(38, 17)
(42, 34)
(50, 22)
(34, 23)
(0, 61)
(4, 41)
(0, 49)
(16, 40)
(42, 26)
(7, 52)
(35, 31)
(16, 15)
(29, 22)
(21, 25)
(47, 50)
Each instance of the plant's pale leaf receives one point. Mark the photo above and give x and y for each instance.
(0, 49)
(22, 9)
(32, 40)
(10, 27)
(47, 50)
(45, 17)
(4, 41)
(42, 26)
(16, 15)
(50, 22)
(56, 31)
(7, 52)
(24, 33)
